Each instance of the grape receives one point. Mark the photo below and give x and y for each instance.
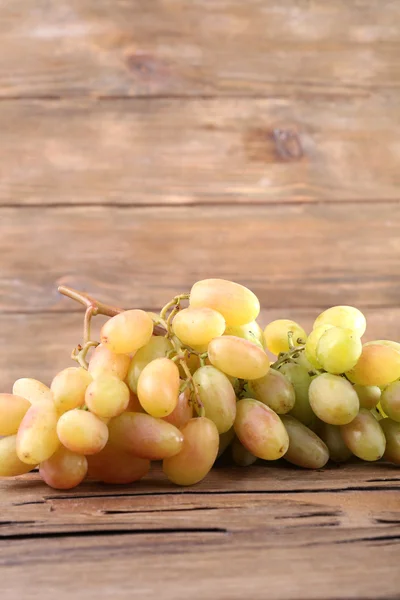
(217, 395)
(195, 460)
(301, 380)
(333, 399)
(198, 326)
(183, 411)
(69, 387)
(37, 436)
(303, 361)
(306, 449)
(158, 387)
(116, 466)
(225, 440)
(107, 396)
(32, 390)
(330, 434)
(82, 432)
(157, 347)
(338, 350)
(390, 401)
(347, 317)
(251, 332)
(10, 464)
(236, 303)
(389, 343)
(240, 455)
(312, 343)
(12, 411)
(364, 436)
(144, 436)
(378, 365)
(276, 335)
(237, 357)
(260, 430)
(64, 470)
(127, 331)
(103, 361)
(274, 390)
(391, 429)
(368, 395)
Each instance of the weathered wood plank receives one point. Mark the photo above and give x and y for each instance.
(75, 47)
(185, 151)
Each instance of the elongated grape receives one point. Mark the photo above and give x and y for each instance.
(306, 449)
(237, 357)
(198, 454)
(301, 380)
(107, 396)
(378, 365)
(158, 387)
(104, 361)
(347, 317)
(82, 432)
(64, 470)
(116, 466)
(157, 347)
(69, 387)
(312, 343)
(338, 350)
(333, 399)
(127, 332)
(260, 430)
(390, 401)
(144, 436)
(274, 390)
(32, 390)
(183, 411)
(217, 395)
(12, 411)
(251, 332)
(391, 429)
(240, 455)
(225, 440)
(330, 434)
(368, 395)
(364, 436)
(10, 464)
(198, 326)
(236, 303)
(37, 436)
(276, 335)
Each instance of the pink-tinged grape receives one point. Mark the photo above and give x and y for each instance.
(368, 395)
(390, 343)
(251, 332)
(64, 470)
(378, 365)
(198, 326)
(104, 361)
(391, 430)
(32, 390)
(364, 436)
(236, 303)
(300, 380)
(276, 335)
(240, 455)
(127, 331)
(198, 454)
(157, 347)
(237, 357)
(390, 401)
(217, 395)
(107, 396)
(225, 440)
(306, 449)
(82, 432)
(183, 411)
(69, 387)
(10, 464)
(338, 350)
(158, 387)
(312, 343)
(260, 430)
(347, 317)
(12, 411)
(145, 436)
(116, 466)
(274, 390)
(37, 434)
(330, 434)
(333, 399)
(134, 404)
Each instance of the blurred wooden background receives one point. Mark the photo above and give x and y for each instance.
(145, 145)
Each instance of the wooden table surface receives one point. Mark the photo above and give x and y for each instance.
(143, 146)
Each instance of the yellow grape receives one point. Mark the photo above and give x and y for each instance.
(116, 466)
(217, 395)
(390, 343)
(158, 387)
(312, 343)
(198, 454)
(69, 387)
(368, 395)
(330, 434)
(391, 430)
(12, 411)
(364, 436)
(103, 361)
(225, 440)
(333, 399)
(64, 470)
(144, 436)
(276, 335)
(378, 365)
(32, 390)
(250, 331)
(157, 347)
(82, 432)
(183, 411)
(338, 350)
(198, 326)
(300, 380)
(260, 430)
(237, 357)
(240, 455)
(236, 303)
(107, 396)
(390, 401)
(37, 435)
(274, 390)
(10, 464)
(347, 317)
(306, 449)
(127, 332)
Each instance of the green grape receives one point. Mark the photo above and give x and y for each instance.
(217, 395)
(347, 317)
(368, 395)
(182, 412)
(107, 396)
(312, 343)
(240, 455)
(236, 303)
(364, 436)
(251, 332)
(82, 432)
(127, 332)
(116, 466)
(301, 380)
(64, 470)
(338, 350)
(10, 464)
(306, 449)
(103, 361)
(276, 335)
(12, 411)
(274, 390)
(330, 434)
(37, 435)
(333, 399)
(69, 387)
(198, 326)
(225, 440)
(390, 401)
(157, 347)
(158, 387)
(378, 365)
(32, 390)
(237, 357)
(391, 429)
(303, 361)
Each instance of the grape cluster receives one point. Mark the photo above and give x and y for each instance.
(183, 386)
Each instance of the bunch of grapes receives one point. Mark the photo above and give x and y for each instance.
(194, 382)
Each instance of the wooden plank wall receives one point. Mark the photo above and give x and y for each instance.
(145, 145)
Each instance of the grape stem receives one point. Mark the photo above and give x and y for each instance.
(287, 356)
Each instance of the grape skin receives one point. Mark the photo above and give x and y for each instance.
(157, 347)
(347, 317)
(390, 401)
(158, 387)
(198, 326)
(364, 436)
(37, 436)
(333, 399)
(69, 387)
(12, 411)
(217, 395)
(378, 365)
(127, 331)
(32, 390)
(338, 350)
(64, 470)
(82, 432)
(274, 390)
(276, 335)
(237, 357)
(10, 463)
(305, 449)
